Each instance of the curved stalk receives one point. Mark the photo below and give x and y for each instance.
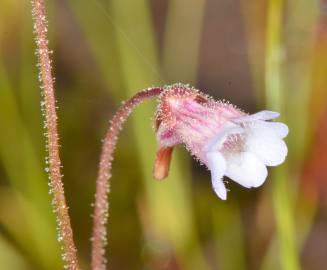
(101, 206)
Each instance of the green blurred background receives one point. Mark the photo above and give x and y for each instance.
(257, 54)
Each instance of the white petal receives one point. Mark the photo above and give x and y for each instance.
(266, 143)
(220, 138)
(263, 115)
(279, 128)
(246, 169)
(217, 166)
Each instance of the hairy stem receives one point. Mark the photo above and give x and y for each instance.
(49, 107)
(101, 206)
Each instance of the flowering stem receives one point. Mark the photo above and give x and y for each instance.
(56, 184)
(101, 206)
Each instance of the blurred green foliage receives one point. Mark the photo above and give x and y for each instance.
(104, 52)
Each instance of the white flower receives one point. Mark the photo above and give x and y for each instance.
(243, 149)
